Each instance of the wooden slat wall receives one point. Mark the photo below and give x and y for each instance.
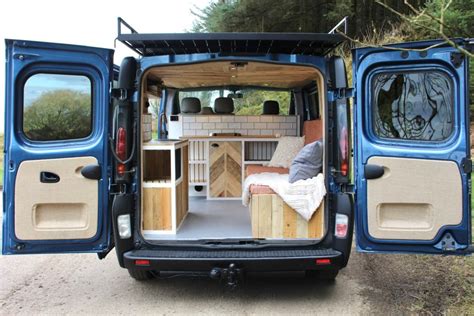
(259, 151)
(157, 209)
(272, 218)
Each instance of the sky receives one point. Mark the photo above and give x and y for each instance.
(89, 22)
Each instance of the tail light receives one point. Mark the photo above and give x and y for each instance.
(323, 261)
(344, 151)
(142, 262)
(121, 150)
(342, 226)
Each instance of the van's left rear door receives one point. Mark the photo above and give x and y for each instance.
(55, 191)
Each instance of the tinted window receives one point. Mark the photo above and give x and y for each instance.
(413, 105)
(57, 107)
(251, 102)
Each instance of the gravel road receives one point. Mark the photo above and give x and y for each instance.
(82, 284)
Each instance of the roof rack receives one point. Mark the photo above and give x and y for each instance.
(227, 43)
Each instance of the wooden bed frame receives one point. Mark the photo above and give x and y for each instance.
(273, 218)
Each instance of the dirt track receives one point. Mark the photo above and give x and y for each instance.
(83, 284)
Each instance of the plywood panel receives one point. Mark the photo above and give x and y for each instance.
(67, 209)
(265, 216)
(157, 208)
(221, 73)
(289, 222)
(316, 224)
(272, 217)
(277, 216)
(156, 165)
(414, 198)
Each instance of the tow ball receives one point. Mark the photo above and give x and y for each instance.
(231, 275)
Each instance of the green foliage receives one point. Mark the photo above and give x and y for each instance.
(458, 19)
(59, 114)
(295, 15)
(252, 102)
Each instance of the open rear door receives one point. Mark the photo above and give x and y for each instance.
(412, 156)
(56, 124)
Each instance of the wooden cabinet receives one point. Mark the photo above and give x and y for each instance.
(225, 169)
(165, 186)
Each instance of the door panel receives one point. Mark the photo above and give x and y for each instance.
(411, 117)
(401, 209)
(56, 122)
(66, 209)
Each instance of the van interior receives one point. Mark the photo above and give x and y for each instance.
(205, 128)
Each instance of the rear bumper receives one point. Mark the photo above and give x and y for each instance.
(249, 260)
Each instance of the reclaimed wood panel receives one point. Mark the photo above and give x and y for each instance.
(272, 218)
(157, 209)
(185, 194)
(225, 169)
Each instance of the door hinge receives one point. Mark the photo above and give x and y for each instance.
(341, 93)
(448, 243)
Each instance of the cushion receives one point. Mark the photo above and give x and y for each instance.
(308, 163)
(206, 110)
(190, 105)
(260, 189)
(224, 105)
(271, 107)
(252, 169)
(286, 151)
(312, 130)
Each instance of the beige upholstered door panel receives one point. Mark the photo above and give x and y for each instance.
(414, 198)
(67, 209)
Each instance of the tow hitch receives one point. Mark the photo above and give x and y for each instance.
(231, 275)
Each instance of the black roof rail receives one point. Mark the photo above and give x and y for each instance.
(319, 44)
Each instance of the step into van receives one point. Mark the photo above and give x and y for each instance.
(151, 158)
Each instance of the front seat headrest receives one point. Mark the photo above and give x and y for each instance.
(190, 105)
(224, 105)
(271, 107)
(207, 110)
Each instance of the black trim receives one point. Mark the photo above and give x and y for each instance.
(259, 260)
(228, 43)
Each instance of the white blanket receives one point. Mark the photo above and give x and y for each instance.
(304, 196)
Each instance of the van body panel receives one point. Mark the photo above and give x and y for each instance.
(49, 205)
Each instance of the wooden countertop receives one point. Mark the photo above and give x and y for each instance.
(231, 136)
(163, 143)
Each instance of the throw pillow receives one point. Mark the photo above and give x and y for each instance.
(286, 151)
(308, 163)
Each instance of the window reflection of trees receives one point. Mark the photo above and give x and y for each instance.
(417, 105)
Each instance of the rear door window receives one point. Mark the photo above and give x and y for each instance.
(413, 106)
(57, 107)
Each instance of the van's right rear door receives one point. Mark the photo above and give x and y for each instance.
(412, 154)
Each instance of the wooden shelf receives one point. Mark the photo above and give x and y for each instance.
(198, 183)
(162, 183)
(255, 162)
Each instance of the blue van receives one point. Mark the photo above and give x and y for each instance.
(153, 158)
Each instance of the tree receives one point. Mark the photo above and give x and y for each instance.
(58, 114)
